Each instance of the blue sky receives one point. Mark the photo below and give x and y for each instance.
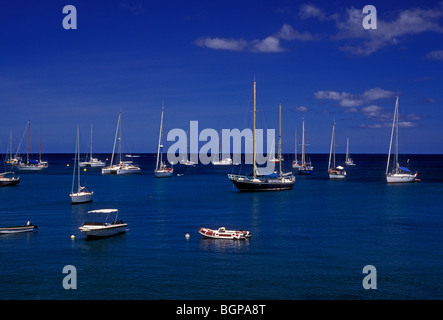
(200, 59)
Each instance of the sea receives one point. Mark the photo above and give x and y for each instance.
(314, 242)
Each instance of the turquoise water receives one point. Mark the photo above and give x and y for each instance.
(308, 243)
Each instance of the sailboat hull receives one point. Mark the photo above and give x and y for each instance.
(249, 185)
(400, 178)
(81, 197)
(163, 173)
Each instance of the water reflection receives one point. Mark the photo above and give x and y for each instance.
(223, 245)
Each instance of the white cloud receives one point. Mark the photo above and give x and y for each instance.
(435, 55)
(359, 41)
(268, 44)
(301, 109)
(349, 100)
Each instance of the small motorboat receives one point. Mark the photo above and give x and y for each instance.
(6, 181)
(222, 233)
(101, 225)
(29, 227)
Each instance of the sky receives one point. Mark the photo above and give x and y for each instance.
(200, 58)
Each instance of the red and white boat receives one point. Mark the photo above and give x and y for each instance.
(222, 233)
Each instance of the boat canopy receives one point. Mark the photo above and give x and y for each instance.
(104, 211)
(33, 161)
(404, 169)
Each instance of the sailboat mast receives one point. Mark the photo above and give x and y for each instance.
(396, 134)
(347, 149)
(115, 139)
(78, 156)
(90, 153)
(334, 145)
(40, 152)
(29, 132)
(159, 138)
(303, 144)
(330, 149)
(255, 102)
(392, 135)
(279, 138)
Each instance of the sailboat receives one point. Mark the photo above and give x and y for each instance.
(120, 167)
(306, 168)
(349, 161)
(296, 164)
(259, 182)
(186, 161)
(397, 174)
(33, 165)
(92, 162)
(82, 195)
(335, 172)
(161, 170)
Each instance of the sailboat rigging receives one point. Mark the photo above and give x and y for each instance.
(349, 161)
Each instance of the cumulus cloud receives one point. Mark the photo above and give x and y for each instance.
(266, 45)
(346, 99)
(358, 41)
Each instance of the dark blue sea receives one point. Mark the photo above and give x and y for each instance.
(308, 243)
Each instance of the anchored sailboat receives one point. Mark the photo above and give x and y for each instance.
(334, 172)
(258, 182)
(161, 170)
(397, 174)
(93, 162)
(122, 167)
(82, 195)
(349, 161)
(33, 165)
(306, 167)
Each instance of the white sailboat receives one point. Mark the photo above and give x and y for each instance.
(306, 167)
(186, 161)
(121, 167)
(161, 170)
(349, 161)
(82, 195)
(92, 162)
(334, 172)
(397, 174)
(33, 165)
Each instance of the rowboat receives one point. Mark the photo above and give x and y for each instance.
(222, 233)
(29, 227)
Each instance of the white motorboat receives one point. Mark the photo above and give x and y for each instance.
(222, 162)
(104, 224)
(397, 174)
(161, 169)
(29, 227)
(222, 233)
